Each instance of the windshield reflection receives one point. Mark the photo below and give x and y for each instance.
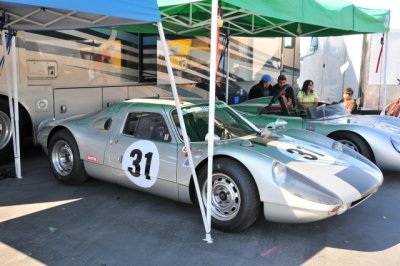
(227, 123)
(328, 111)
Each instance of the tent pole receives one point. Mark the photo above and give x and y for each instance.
(213, 71)
(10, 93)
(16, 111)
(182, 124)
(385, 70)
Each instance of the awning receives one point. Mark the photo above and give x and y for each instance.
(74, 14)
(272, 18)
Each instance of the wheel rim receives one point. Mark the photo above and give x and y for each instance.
(349, 144)
(225, 197)
(5, 129)
(62, 158)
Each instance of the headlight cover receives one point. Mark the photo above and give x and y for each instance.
(300, 186)
(395, 143)
(336, 145)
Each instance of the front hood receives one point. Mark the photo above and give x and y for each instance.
(329, 168)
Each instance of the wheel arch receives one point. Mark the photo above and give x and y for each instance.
(332, 135)
(54, 131)
(192, 188)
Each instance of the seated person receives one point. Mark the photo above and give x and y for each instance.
(348, 101)
(288, 94)
(393, 108)
(261, 89)
(307, 97)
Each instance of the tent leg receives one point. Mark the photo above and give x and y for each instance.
(386, 43)
(16, 109)
(213, 72)
(10, 99)
(183, 127)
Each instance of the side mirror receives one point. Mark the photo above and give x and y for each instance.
(278, 124)
(216, 137)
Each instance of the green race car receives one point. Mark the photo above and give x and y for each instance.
(375, 137)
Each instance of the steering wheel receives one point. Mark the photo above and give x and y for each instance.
(278, 96)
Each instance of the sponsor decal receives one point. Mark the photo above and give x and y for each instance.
(310, 128)
(185, 151)
(91, 158)
(198, 152)
(141, 163)
(186, 163)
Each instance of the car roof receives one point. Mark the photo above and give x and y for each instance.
(166, 102)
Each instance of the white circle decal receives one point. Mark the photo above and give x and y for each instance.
(305, 152)
(141, 163)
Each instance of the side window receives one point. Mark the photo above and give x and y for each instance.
(131, 123)
(147, 126)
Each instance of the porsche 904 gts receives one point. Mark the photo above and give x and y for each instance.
(138, 144)
(375, 137)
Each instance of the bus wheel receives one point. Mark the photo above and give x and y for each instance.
(6, 146)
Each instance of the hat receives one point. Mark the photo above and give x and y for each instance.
(282, 77)
(266, 78)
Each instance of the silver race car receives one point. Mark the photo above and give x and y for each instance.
(138, 144)
(375, 137)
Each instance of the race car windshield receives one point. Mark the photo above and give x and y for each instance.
(227, 124)
(328, 111)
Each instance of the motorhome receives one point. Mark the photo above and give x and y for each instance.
(64, 73)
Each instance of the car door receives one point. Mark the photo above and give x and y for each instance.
(143, 153)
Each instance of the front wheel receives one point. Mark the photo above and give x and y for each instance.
(64, 159)
(235, 203)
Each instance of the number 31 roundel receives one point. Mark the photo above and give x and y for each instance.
(141, 163)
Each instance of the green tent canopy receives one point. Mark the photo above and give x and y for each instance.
(272, 18)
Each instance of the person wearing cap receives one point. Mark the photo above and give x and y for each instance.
(288, 93)
(261, 89)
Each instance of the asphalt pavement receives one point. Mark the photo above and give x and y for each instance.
(98, 223)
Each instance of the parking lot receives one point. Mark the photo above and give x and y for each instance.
(97, 223)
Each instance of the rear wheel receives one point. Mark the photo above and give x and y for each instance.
(355, 143)
(235, 203)
(64, 159)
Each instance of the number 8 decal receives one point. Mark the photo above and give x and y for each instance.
(142, 170)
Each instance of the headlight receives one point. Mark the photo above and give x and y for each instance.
(359, 157)
(337, 146)
(301, 186)
(395, 143)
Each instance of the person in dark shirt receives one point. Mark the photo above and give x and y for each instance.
(288, 93)
(261, 89)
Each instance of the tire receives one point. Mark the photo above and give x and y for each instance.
(354, 142)
(6, 141)
(235, 202)
(64, 159)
